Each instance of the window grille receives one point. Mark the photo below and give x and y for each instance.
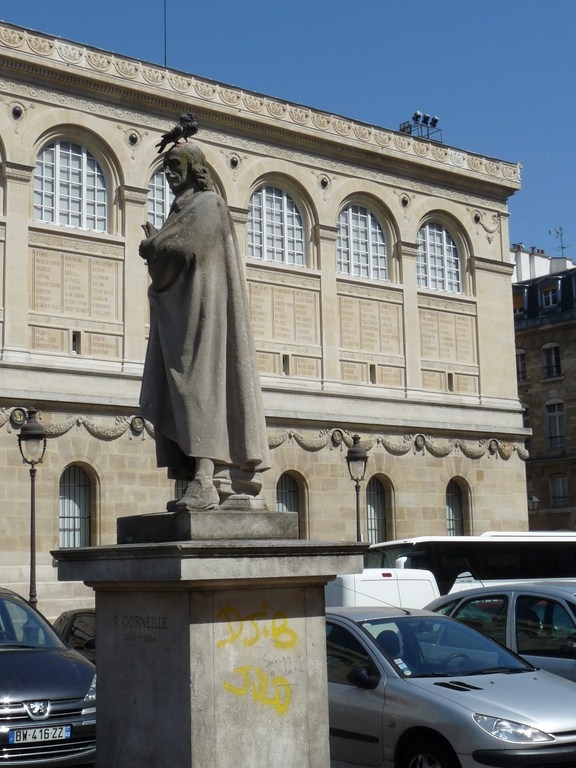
(275, 228)
(376, 510)
(438, 265)
(70, 188)
(75, 508)
(361, 244)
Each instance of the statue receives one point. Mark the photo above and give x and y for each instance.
(200, 386)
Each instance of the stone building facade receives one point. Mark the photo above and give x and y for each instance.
(378, 273)
(545, 320)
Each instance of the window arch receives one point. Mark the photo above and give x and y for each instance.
(376, 510)
(70, 187)
(361, 244)
(75, 507)
(454, 509)
(275, 228)
(287, 494)
(438, 259)
(160, 198)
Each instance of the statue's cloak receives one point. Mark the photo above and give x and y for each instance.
(200, 387)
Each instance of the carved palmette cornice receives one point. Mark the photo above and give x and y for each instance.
(75, 65)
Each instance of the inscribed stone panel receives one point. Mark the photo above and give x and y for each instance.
(49, 339)
(103, 345)
(268, 362)
(389, 376)
(75, 285)
(305, 366)
(434, 380)
(284, 313)
(356, 372)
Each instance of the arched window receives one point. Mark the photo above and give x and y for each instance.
(438, 260)
(287, 494)
(275, 228)
(361, 244)
(70, 188)
(454, 509)
(376, 510)
(75, 507)
(160, 198)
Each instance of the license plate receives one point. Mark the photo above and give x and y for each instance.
(33, 735)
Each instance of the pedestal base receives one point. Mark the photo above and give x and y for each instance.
(211, 654)
(224, 522)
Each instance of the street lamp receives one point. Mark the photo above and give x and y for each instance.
(357, 458)
(32, 445)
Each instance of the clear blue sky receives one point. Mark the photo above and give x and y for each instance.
(498, 73)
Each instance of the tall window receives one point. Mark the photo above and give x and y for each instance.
(454, 510)
(275, 228)
(70, 188)
(520, 365)
(160, 198)
(376, 510)
(75, 507)
(559, 490)
(438, 260)
(551, 367)
(287, 494)
(555, 425)
(361, 244)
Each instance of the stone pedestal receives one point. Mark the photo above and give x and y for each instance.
(211, 653)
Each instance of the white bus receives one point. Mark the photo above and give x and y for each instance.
(459, 561)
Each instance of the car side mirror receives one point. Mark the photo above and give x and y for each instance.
(363, 677)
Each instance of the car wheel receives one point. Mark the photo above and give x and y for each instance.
(428, 753)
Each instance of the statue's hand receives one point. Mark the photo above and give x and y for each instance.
(149, 229)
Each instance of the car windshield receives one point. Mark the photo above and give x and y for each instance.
(422, 646)
(22, 627)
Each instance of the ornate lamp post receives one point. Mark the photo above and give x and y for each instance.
(357, 458)
(32, 445)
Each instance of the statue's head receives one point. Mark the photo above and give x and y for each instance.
(185, 167)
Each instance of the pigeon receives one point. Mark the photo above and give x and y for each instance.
(186, 127)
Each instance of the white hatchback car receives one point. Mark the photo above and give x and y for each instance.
(414, 689)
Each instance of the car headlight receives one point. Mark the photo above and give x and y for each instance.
(508, 730)
(90, 698)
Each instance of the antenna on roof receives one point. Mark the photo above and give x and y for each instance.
(559, 232)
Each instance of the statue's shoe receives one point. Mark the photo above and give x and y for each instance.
(199, 496)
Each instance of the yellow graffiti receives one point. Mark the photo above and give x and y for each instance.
(266, 689)
(256, 626)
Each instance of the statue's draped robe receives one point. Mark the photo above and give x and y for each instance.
(200, 387)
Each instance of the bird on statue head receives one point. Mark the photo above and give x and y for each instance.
(186, 127)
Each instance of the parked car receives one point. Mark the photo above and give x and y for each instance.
(535, 619)
(409, 688)
(47, 693)
(77, 628)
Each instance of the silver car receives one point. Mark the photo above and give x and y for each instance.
(535, 619)
(414, 689)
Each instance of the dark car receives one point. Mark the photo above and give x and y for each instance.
(77, 628)
(535, 619)
(47, 693)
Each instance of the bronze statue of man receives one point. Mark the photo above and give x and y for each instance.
(200, 387)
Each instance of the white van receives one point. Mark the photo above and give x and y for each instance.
(407, 588)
